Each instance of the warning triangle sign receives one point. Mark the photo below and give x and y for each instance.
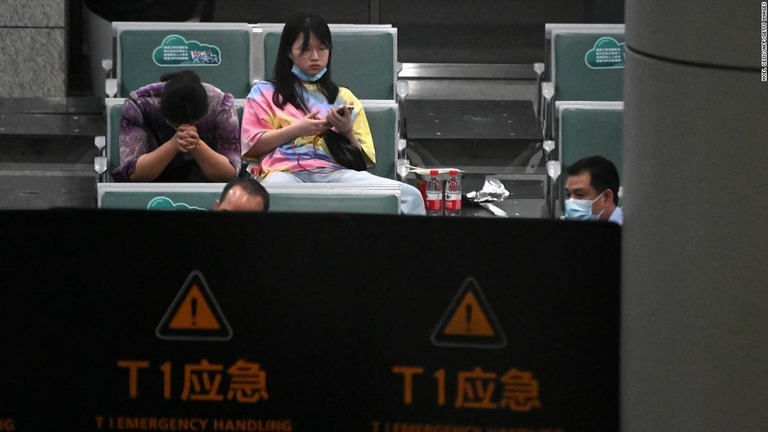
(194, 314)
(469, 321)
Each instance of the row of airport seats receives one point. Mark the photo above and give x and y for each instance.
(322, 198)
(233, 56)
(581, 93)
(381, 115)
(284, 198)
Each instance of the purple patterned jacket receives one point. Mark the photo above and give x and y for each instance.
(143, 129)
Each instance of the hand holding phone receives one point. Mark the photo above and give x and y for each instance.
(342, 111)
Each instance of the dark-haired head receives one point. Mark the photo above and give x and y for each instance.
(184, 99)
(297, 31)
(249, 195)
(603, 174)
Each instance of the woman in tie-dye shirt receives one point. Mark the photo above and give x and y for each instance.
(282, 118)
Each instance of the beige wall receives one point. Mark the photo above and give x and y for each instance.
(33, 48)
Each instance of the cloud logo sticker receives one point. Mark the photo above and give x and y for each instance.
(177, 51)
(607, 53)
(164, 203)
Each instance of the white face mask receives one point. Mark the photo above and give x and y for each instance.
(308, 78)
(581, 209)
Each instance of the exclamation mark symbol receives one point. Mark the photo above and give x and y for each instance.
(468, 314)
(194, 311)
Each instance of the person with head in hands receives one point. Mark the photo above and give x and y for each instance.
(178, 130)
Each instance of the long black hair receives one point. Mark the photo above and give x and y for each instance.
(288, 88)
(184, 99)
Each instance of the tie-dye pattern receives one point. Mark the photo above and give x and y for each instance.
(261, 115)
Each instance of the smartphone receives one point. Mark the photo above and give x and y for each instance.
(341, 110)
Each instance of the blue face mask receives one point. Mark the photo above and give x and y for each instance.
(309, 78)
(581, 209)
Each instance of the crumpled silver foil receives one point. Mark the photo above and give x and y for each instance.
(493, 191)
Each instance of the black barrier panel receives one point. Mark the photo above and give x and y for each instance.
(276, 322)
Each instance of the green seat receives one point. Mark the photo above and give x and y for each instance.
(283, 198)
(587, 62)
(114, 110)
(151, 200)
(369, 77)
(589, 129)
(382, 120)
(218, 52)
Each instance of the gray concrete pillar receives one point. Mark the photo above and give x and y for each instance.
(695, 239)
(33, 48)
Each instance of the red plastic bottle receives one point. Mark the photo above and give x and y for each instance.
(434, 195)
(453, 194)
